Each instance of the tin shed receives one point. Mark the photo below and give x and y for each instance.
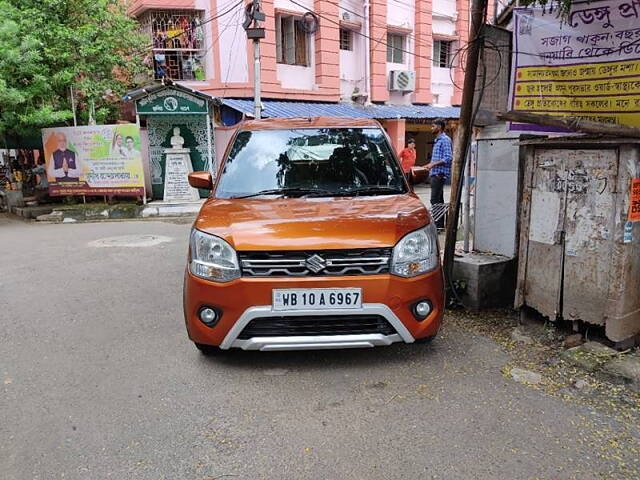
(579, 244)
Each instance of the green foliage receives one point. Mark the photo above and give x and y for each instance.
(561, 7)
(49, 45)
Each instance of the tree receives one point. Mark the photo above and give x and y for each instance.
(561, 7)
(50, 45)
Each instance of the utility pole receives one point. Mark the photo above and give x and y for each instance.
(463, 136)
(254, 15)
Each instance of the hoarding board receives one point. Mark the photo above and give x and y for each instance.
(587, 66)
(94, 160)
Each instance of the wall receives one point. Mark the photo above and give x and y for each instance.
(352, 63)
(442, 85)
(231, 46)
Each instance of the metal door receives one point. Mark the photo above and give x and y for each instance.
(591, 178)
(566, 240)
(542, 283)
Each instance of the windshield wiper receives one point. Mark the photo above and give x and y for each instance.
(298, 191)
(371, 189)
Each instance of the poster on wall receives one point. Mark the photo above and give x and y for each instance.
(94, 160)
(587, 66)
(634, 200)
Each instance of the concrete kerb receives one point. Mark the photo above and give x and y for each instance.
(123, 211)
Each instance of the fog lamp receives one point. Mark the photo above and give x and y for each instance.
(422, 309)
(209, 316)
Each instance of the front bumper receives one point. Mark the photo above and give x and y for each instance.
(245, 299)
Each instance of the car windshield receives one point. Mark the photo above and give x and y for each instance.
(311, 161)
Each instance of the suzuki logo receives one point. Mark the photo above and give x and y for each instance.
(316, 263)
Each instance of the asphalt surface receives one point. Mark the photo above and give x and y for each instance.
(100, 381)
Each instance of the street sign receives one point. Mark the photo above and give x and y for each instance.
(170, 101)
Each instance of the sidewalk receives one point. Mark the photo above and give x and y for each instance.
(424, 192)
(97, 212)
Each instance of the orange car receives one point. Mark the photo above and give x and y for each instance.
(311, 239)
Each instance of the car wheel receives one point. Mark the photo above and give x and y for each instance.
(207, 350)
(425, 340)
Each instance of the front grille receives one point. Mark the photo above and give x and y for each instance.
(369, 261)
(316, 325)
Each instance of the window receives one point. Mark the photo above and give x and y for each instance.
(442, 53)
(395, 48)
(346, 39)
(291, 41)
(178, 43)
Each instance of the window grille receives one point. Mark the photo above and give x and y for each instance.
(395, 48)
(346, 39)
(442, 53)
(178, 43)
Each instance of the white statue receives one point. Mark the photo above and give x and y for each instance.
(177, 141)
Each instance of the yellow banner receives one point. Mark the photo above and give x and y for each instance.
(580, 87)
(630, 104)
(586, 71)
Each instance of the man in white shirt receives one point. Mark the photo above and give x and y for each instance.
(63, 164)
(130, 150)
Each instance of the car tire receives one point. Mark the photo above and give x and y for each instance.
(207, 350)
(426, 340)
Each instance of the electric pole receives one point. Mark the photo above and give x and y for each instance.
(254, 15)
(465, 129)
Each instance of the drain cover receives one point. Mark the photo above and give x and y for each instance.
(131, 241)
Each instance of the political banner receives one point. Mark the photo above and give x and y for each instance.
(586, 66)
(94, 160)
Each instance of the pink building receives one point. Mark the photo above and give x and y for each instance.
(359, 46)
(394, 60)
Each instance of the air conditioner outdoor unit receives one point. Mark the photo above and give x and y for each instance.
(402, 80)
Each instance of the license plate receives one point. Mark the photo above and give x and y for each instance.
(317, 298)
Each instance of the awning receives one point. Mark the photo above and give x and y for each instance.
(273, 108)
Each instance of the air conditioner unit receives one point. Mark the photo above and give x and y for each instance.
(402, 81)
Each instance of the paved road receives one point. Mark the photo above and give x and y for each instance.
(100, 382)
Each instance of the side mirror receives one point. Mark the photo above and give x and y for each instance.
(418, 175)
(200, 180)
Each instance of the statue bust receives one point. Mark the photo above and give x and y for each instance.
(177, 141)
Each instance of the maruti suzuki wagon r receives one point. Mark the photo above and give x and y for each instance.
(311, 239)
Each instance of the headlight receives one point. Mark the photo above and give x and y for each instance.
(416, 253)
(212, 258)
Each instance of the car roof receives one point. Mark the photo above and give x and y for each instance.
(310, 122)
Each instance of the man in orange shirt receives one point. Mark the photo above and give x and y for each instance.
(408, 156)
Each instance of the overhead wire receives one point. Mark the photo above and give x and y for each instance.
(319, 15)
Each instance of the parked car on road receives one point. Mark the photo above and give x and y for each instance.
(328, 249)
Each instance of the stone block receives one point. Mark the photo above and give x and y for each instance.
(590, 356)
(624, 369)
(490, 280)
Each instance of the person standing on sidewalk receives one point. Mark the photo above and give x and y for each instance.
(440, 165)
(408, 157)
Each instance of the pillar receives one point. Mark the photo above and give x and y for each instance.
(327, 46)
(378, 54)
(396, 129)
(424, 51)
(462, 30)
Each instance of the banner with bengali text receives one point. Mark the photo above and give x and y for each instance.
(587, 66)
(94, 160)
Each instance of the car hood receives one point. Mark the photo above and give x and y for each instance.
(313, 223)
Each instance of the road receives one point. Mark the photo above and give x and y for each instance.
(100, 381)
